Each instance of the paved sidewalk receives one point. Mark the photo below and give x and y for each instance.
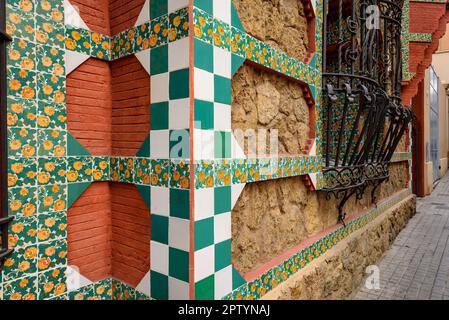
(417, 264)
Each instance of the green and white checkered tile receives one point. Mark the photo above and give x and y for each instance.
(213, 140)
(170, 205)
(153, 9)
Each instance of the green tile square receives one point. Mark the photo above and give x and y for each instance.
(236, 63)
(204, 233)
(145, 193)
(74, 147)
(205, 289)
(222, 255)
(222, 89)
(235, 19)
(159, 60)
(144, 150)
(206, 5)
(159, 228)
(180, 203)
(222, 144)
(74, 192)
(178, 264)
(237, 279)
(159, 116)
(158, 8)
(179, 84)
(159, 286)
(204, 114)
(222, 200)
(204, 55)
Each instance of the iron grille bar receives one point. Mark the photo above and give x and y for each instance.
(365, 119)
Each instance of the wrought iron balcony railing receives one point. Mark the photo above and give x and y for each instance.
(365, 119)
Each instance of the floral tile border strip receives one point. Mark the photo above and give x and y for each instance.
(420, 37)
(155, 33)
(406, 74)
(107, 289)
(257, 288)
(220, 34)
(175, 173)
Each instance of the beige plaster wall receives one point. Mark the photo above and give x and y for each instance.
(444, 41)
(443, 126)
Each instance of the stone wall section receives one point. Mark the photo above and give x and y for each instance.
(280, 23)
(273, 216)
(341, 270)
(264, 100)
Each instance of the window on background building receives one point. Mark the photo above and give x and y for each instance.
(434, 124)
(4, 219)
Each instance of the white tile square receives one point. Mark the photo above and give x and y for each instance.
(222, 227)
(177, 289)
(174, 5)
(204, 85)
(204, 203)
(160, 201)
(237, 139)
(144, 59)
(179, 114)
(222, 63)
(179, 233)
(223, 282)
(236, 191)
(159, 257)
(178, 55)
(204, 263)
(144, 15)
(159, 144)
(160, 87)
(222, 117)
(204, 144)
(144, 285)
(222, 10)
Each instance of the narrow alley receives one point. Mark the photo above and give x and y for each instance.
(417, 264)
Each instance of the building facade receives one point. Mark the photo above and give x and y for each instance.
(175, 149)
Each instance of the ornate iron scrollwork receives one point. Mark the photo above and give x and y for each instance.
(364, 120)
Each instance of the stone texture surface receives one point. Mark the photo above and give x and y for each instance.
(271, 217)
(280, 23)
(338, 272)
(261, 99)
